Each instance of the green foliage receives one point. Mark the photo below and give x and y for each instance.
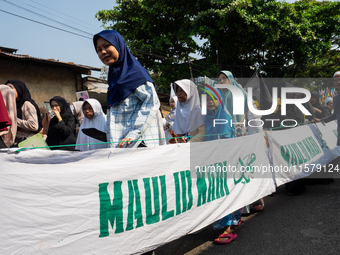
(300, 39)
(269, 34)
(158, 33)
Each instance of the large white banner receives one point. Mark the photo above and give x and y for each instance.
(298, 152)
(329, 133)
(124, 201)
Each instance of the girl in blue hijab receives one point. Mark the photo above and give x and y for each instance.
(125, 72)
(226, 77)
(217, 111)
(133, 105)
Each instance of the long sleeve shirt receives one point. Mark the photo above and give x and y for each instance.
(135, 117)
(28, 124)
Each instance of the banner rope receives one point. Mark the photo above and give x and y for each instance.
(140, 140)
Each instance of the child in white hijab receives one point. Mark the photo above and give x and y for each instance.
(188, 119)
(94, 117)
(169, 118)
(171, 115)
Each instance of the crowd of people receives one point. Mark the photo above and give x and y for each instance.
(133, 116)
(60, 128)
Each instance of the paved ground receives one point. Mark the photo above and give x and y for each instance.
(303, 224)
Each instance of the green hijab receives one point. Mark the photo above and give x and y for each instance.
(228, 97)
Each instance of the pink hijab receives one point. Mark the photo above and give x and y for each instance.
(8, 95)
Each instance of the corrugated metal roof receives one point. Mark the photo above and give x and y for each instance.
(8, 50)
(97, 87)
(49, 61)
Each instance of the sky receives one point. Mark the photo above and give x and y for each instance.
(37, 40)
(40, 41)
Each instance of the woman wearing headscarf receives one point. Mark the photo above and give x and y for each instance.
(94, 117)
(216, 110)
(77, 111)
(133, 106)
(28, 114)
(226, 77)
(188, 120)
(62, 128)
(241, 120)
(8, 96)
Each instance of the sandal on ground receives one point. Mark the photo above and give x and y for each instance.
(231, 236)
(259, 207)
(239, 223)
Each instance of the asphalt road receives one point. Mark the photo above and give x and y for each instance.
(308, 223)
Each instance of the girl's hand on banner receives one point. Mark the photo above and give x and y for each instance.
(183, 139)
(125, 141)
(316, 120)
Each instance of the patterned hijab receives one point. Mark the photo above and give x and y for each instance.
(223, 130)
(228, 97)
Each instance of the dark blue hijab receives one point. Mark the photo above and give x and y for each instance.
(126, 74)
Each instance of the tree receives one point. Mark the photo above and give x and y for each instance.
(158, 33)
(282, 39)
(268, 34)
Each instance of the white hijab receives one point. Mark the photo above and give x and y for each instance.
(188, 114)
(98, 121)
(172, 114)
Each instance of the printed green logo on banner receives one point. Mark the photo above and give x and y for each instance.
(246, 169)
